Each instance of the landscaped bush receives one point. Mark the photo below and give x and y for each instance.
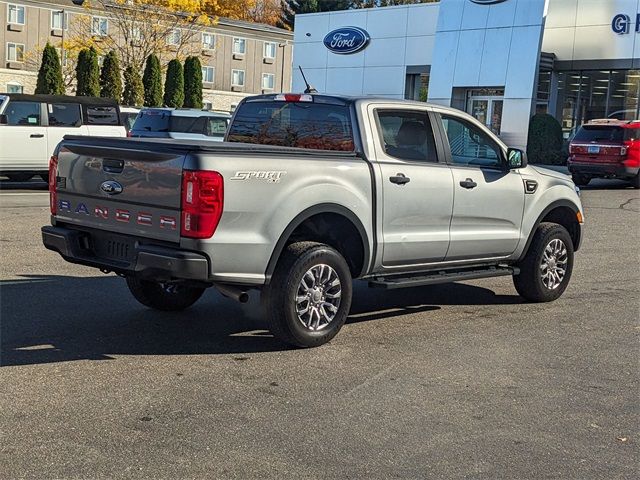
(50, 73)
(545, 141)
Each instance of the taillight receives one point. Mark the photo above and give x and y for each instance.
(202, 202)
(53, 194)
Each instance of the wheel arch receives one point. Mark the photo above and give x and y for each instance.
(562, 212)
(341, 242)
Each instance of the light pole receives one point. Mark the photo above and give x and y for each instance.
(283, 46)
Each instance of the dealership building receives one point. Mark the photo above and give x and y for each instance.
(499, 60)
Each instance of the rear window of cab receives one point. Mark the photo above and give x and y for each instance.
(293, 124)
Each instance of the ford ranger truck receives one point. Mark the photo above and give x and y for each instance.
(308, 193)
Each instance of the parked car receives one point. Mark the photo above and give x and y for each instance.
(32, 125)
(180, 123)
(606, 148)
(128, 116)
(322, 190)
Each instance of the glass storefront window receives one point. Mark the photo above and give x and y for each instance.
(590, 94)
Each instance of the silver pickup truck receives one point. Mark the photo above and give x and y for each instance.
(308, 193)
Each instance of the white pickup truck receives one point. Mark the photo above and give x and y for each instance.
(308, 193)
(31, 126)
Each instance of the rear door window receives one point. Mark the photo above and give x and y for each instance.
(407, 135)
(25, 114)
(102, 115)
(588, 134)
(65, 115)
(293, 124)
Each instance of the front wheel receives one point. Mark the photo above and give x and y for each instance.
(168, 297)
(546, 269)
(309, 296)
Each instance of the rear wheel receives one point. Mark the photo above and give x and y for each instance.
(309, 296)
(44, 177)
(169, 297)
(546, 269)
(19, 177)
(580, 179)
(635, 181)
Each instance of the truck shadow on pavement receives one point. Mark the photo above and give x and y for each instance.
(45, 319)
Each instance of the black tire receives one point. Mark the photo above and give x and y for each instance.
(280, 296)
(635, 181)
(165, 297)
(19, 177)
(530, 283)
(45, 177)
(580, 179)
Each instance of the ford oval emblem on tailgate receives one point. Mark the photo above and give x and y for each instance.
(111, 187)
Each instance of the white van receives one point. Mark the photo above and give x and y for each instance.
(32, 125)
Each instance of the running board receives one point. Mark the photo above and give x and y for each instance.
(442, 276)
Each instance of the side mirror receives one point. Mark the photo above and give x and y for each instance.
(516, 159)
(4, 120)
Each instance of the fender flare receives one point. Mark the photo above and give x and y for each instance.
(305, 215)
(544, 213)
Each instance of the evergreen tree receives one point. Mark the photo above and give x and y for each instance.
(50, 74)
(192, 83)
(110, 79)
(133, 94)
(152, 80)
(174, 85)
(88, 73)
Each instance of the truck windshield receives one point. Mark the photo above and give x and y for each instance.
(598, 133)
(293, 124)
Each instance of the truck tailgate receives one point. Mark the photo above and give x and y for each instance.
(126, 188)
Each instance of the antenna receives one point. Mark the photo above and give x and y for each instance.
(309, 88)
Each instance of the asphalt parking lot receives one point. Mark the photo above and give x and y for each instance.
(453, 381)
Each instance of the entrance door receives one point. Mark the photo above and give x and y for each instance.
(487, 109)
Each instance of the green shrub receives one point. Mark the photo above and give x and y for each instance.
(50, 74)
(544, 145)
(152, 81)
(192, 83)
(174, 85)
(133, 94)
(110, 79)
(88, 73)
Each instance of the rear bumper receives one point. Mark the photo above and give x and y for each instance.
(148, 261)
(612, 170)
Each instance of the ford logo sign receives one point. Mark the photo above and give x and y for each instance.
(346, 40)
(487, 2)
(111, 187)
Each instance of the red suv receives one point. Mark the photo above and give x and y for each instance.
(606, 149)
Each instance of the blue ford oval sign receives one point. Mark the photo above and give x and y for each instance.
(488, 2)
(111, 187)
(346, 40)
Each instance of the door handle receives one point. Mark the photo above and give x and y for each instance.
(37, 135)
(468, 183)
(399, 179)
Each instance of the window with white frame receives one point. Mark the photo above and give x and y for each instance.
(59, 21)
(237, 78)
(268, 81)
(270, 50)
(15, 14)
(208, 74)
(15, 52)
(174, 37)
(208, 41)
(99, 26)
(136, 33)
(14, 87)
(239, 45)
